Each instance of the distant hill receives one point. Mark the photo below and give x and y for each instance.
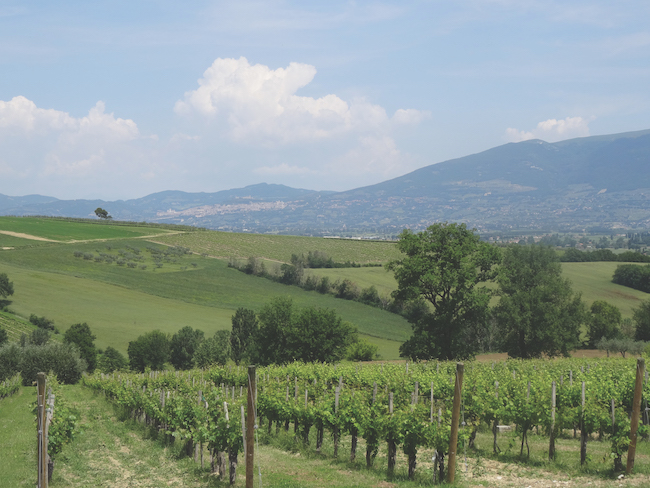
(591, 182)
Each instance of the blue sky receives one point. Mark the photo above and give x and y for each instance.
(116, 100)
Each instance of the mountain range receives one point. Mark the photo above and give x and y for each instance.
(598, 182)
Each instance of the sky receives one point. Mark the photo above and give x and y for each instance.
(121, 99)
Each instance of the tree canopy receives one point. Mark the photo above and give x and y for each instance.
(538, 313)
(102, 214)
(244, 328)
(604, 322)
(182, 347)
(310, 334)
(443, 265)
(80, 335)
(150, 350)
(6, 286)
(641, 316)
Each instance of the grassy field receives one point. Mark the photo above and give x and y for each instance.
(121, 303)
(18, 440)
(280, 248)
(16, 326)
(594, 280)
(69, 230)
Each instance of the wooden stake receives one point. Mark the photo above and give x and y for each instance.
(455, 416)
(636, 409)
(250, 428)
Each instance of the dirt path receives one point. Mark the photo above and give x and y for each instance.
(26, 236)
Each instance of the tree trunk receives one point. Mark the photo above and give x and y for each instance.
(319, 438)
(392, 452)
(412, 463)
(232, 458)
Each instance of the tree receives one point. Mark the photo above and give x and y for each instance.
(641, 317)
(444, 264)
(4, 337)
(275, 320)
(604, 322)
(111, 360)
(538, 313)
(150, 350)
(39, 337)
(244, 328)
(319, 335)
(311, 334)
(80, 335)
(182, 347)
(6, 286)
(102, 214)
(214, 350)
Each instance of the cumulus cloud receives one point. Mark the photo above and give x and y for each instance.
(260, 104)
(552, 130)
(46, 144)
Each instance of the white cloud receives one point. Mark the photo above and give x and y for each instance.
(52, 148)
(260, 104)
(410, 116)
(552, 130)
(374, 159)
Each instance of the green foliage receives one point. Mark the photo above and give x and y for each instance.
(182, 347)
(10, 355)
(4, 337)
(633, 276)
(61, 359)
(622, 345)
(310, 334)
(102, 214)
(83, 338)
(443, 265)
(6, 286)
(604, 322)
(111, 360)
(641, 316)
(213, 350)
(39, 337)
(538, 313)
(361, 350)
(43, 323)
(244, 329)
(150, 350)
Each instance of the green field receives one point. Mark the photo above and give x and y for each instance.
(69, 230)
(280, 248)
(121, 303)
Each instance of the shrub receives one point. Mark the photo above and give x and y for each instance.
(111, 360)
(10, 355)
(61, 359)
(362, 351)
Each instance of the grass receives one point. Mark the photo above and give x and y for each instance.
(18, 439)
(280, 248)
(16, 326)
(70, 230)
(120, 303)
(594, 280)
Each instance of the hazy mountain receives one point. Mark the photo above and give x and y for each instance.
(600, 181)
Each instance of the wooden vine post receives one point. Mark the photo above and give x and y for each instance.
(455, 417)
(42, 431)
(636, 409)
(250, 428)
(551, 445)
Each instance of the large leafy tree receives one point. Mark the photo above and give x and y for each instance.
(81, 335)
(213, 350)
(182, 347)
(443, 265)
(641, 317)
(604, 322)
(244, 328)
(310, 334)
(150, 350)
(111, 360)
(6, 286)
(538, 313)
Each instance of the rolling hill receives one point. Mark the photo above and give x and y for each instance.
(599, 182)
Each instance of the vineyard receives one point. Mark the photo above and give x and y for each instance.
(387, 407)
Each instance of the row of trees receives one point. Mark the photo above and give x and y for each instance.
(280, 333)
(537, 313)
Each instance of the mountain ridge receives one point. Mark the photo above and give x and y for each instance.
(598, 181)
